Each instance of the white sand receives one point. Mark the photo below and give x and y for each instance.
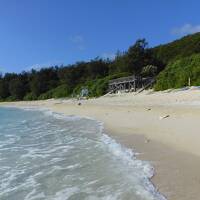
(163, 126)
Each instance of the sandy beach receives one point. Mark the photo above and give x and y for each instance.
(163, 127)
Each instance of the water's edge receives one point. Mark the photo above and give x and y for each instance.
(127, 154)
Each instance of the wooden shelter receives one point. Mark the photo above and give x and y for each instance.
(130, 84)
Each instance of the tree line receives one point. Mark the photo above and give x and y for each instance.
(64, 81)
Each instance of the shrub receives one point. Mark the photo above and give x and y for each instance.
(10, 98)
(177, 73)
(59, 92)
(30, 96)
(99, 86)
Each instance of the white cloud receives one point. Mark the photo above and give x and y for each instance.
(109, 55)
(44, 65)
(78, 41)
(35, 66)
(186, 29)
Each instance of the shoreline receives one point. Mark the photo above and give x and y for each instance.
(170, 144)
(110, 134)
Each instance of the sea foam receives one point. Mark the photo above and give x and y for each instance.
(53, 156)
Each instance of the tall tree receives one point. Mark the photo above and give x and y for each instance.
(137, 56)
(17, 89)
(4, 91)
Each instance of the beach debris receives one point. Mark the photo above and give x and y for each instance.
(163, 117)
(148, 109)
(79, 104)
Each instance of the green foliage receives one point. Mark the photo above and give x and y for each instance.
(10, 98)
(30, 96)
(4, 92)
(98, 87)
(136, 56)
(47, 95)
(133, 61)
(178, 72)
(56, 82)
(181, 48)
(43, 80)
(119, 65)
(53, 82)
(59, 92)
(17, 89)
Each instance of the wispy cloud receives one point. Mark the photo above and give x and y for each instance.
(186, 29)
(2, 70)
(44, 65)
(78, 41)
(109, 55)
(35, 66)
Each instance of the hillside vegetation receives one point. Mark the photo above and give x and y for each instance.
(173, 64)
(178, 73)
(67, 81)
(183, 47)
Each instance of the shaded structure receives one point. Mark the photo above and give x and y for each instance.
(130, 84)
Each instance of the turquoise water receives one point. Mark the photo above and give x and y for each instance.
(48, 156)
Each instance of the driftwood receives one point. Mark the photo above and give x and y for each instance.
(163, 117)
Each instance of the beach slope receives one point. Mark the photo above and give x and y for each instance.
(162, 126)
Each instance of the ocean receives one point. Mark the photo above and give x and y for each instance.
(50, 156)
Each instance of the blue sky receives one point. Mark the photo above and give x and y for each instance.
(38, 33)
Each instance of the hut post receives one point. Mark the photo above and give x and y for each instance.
(134, 86)
(189, 82)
